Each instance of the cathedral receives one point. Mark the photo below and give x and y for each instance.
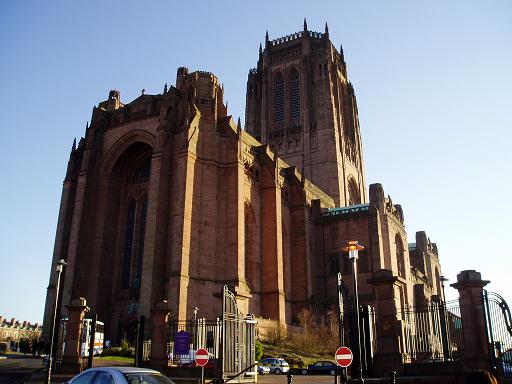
(167, 198)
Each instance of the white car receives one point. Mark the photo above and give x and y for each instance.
(120, 375)
(275, 364)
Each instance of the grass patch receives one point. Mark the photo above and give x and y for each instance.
(292, 355)
(121, 359)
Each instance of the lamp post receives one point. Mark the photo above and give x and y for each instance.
(443, 318)
(59, 267)
(353, 248)
(442, 279)
(196, 342)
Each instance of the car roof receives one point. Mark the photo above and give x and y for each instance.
(123, 369)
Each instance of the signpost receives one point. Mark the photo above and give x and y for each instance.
(202, 358)
(343, 357)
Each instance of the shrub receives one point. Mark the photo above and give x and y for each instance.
(276, 334)
(259, 350)
(123, 350)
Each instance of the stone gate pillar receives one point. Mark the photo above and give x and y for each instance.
(159, 316)
(71, 360)
(475, 354)
(388, 356)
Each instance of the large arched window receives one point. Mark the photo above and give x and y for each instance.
(279, 98)
(294, 95)
(136, 208)
(400, 257)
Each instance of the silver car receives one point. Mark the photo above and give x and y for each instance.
(276, 365)
(120, 375)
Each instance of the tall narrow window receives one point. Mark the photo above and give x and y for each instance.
(140, 250)
(135, 189)
(128, 245)
(353, 192)
(279, 98)
(400, 257)
(294, 95)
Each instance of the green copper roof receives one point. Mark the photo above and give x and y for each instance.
(345, 210)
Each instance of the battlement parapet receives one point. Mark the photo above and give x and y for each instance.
(296, 36)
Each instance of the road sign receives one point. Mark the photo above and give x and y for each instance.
(202, 357)
(343, 357)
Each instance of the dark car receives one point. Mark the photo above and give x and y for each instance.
(323, 367)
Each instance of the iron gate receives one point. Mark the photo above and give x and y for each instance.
(432, 332)
(498, 321)
(238, 340)
(348, 330)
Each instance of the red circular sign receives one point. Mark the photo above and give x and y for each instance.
(343, 357)
(202, 357)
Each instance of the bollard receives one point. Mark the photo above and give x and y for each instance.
(392, 377)
(290, 378)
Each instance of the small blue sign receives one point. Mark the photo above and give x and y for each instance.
(182, 343)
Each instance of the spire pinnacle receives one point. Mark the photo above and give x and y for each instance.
(239, 124)
(165, 88)
(261, 50)
(326, 29)
(73, 147)
(341, 53)
(305, 25)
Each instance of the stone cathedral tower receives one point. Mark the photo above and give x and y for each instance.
(300, 103)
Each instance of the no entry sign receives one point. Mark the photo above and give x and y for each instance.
(343, 357)
(202, 357)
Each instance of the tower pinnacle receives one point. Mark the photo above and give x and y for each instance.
(305, 25)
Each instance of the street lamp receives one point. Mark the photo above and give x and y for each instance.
(59, 267)
(353, 248)
(442, 279)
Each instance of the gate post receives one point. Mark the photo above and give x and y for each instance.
(475, 354)
(159, 317)
(71, 359)
(388, 356)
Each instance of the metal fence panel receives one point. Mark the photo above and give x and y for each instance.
(432, 332)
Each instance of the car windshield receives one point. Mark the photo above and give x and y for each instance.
(147, 378)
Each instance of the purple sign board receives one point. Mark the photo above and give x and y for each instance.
(182, 343)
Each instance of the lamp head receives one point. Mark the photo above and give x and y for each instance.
(353, 248)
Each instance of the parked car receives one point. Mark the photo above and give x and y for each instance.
(276, 365)
(263, 369)
(323, 367)
(120, 375)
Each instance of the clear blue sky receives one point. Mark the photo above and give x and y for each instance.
(433, 81)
